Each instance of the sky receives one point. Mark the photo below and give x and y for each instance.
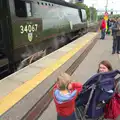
(100, 4)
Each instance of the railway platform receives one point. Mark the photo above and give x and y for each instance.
(101, 51)
(22, 91)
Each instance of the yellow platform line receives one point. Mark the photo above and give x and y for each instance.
(12, 98)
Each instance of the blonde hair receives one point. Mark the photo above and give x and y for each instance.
(63, 80)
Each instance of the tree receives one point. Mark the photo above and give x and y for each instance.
(100, 17)
(81, 5)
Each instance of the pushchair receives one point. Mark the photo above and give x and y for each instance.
(97, 91)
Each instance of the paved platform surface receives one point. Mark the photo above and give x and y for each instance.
(101, 51)
(20, 77)
(27, 86)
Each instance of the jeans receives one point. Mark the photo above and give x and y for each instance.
(116, 44)
(71, 117)
(103, 34)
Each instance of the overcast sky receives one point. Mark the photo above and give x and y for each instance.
(100, 4)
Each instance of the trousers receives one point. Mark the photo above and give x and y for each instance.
(116, 44)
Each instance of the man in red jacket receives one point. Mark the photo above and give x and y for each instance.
(103, 29)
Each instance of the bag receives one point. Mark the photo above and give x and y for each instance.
(112, 109)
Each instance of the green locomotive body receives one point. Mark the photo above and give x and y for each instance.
(29, 26)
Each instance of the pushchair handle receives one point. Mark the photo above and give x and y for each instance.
(97, 77)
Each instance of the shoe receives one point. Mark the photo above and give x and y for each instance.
(118, 53)
(113, 52)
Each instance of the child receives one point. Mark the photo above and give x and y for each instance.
(64, 98)
(112, 110)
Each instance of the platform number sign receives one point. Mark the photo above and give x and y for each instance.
(29, 29)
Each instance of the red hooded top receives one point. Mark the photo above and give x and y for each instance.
(103, 24)
(68, 107)
(112, 109)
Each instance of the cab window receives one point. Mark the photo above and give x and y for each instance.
(84, 16)
(22, 8)
(28, 9)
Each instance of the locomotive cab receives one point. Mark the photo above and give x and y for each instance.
(5, 38)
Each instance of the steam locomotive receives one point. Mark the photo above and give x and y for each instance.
(28, 27)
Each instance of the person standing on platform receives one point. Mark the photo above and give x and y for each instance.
(103, 29)
(114, 25)
(108, 26)
(116, 36)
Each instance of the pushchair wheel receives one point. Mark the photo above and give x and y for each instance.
(79, 113)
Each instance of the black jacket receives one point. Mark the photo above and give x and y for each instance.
(115, 29)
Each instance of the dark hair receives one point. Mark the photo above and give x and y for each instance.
(107, 64)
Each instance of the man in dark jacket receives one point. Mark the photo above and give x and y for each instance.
(116, 36)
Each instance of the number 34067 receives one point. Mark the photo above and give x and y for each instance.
(28, 28)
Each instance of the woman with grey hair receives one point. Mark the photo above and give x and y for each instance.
(112, 110)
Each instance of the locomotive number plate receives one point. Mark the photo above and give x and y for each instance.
(28, 28)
